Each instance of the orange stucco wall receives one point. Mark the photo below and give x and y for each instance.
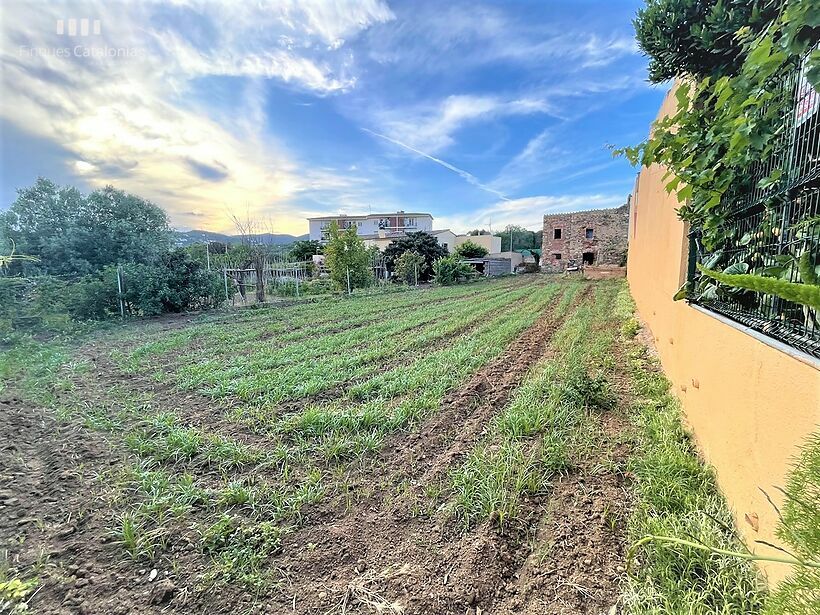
(750, 405)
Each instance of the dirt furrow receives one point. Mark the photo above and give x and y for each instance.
(387, 549)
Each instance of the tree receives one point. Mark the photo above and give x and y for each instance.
(303, 250)
(420, 242)
(697, 38)
(72, 234)
(347, 258)
(410, 267)
(468, 249)
(252, 232)
(522, 239)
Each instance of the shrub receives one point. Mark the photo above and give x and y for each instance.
(420, 242)
(410, 267)
(176, 283)
(468, 249)
(452, 270)
(345, 255)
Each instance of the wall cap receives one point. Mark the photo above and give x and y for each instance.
(587, 211)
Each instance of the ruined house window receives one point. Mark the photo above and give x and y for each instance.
(590, 234)
(556, 233)
(556, 256)
(589, 258)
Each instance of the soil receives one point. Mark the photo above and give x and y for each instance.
(387, 546)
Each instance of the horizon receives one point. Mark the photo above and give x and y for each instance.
(481, 115)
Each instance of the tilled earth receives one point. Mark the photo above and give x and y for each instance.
(388, 545)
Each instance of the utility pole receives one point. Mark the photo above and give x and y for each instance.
(208, 254)
(119, 288)
(511, 240)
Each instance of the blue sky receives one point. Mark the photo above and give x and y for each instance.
(482, 114)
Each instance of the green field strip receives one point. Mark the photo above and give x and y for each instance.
(532, 438)
(223, 379)
(421, 386)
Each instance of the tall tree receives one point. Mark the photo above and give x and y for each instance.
(347, 258)
(522, 239)
(421, 242)
(71, 234)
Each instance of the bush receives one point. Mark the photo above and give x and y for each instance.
(320, 286)
(45, 303)
(347, 259)
(176, 283)
(452, 270)
(410, 267)
(421, 243)
(468, 249)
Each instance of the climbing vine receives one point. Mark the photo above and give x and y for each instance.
(730, 113)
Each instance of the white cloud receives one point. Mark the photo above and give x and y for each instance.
(128, 119)
(469, 177)
(440, 37)
(431, 127)
(527, 211)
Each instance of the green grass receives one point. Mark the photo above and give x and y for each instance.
(799, 530)
(534, 436)
(386, 363)
(676, 495)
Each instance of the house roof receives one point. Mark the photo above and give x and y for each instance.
(396, 234)
(367, 216)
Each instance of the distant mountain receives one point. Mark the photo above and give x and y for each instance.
(188, 238)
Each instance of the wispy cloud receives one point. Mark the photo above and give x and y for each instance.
(463, 35)
(469, 177)
(527, 211)
(432, 126)
(127, 117)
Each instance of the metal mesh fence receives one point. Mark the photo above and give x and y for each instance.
(774, 225)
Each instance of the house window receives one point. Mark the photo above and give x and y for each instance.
(556, 233)
(590, 233)
(556, 256)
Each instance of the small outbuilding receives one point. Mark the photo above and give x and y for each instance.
(490, 266)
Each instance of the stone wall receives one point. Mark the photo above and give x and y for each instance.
(606, 247)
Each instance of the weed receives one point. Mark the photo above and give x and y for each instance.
(239, 551)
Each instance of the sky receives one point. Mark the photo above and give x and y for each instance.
(482, 114)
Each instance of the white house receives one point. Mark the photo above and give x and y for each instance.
(369, 225)
(380, 229)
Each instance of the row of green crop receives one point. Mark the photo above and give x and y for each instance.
(319, 363)
(410, 392)
(159, 493)
(223, 336)
(532, 438)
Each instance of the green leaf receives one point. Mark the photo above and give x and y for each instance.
(684, 193)
(737, 268)
(713, 260)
